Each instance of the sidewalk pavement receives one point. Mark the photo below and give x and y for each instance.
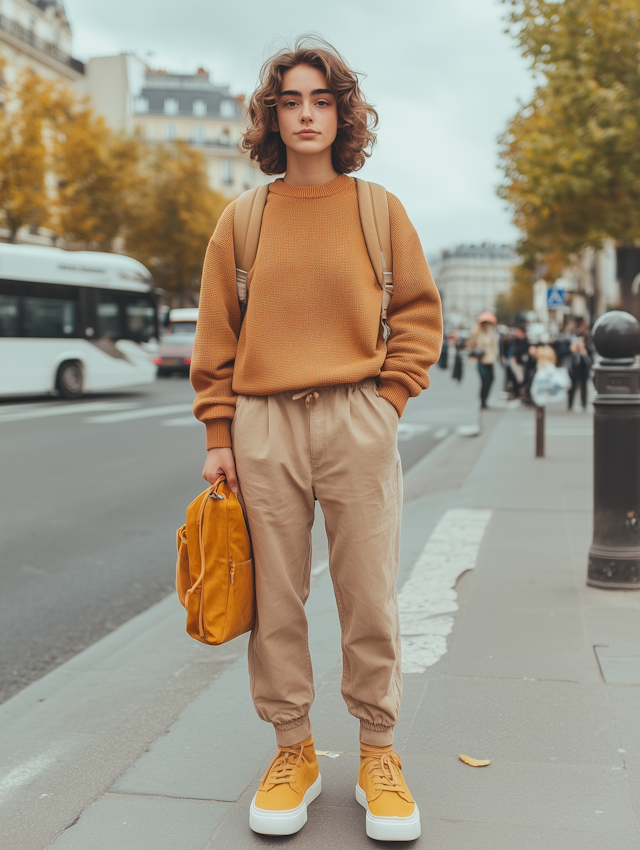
(148, 741)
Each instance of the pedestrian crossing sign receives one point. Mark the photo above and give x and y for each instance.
(556, 297)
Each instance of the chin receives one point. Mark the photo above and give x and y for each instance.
(308, 146)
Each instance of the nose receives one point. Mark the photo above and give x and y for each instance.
(306, 115)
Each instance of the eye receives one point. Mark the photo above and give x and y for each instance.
(323, 103)
(290, 103)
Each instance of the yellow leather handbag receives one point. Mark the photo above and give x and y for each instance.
(214, 572)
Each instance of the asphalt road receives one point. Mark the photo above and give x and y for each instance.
(92, 492)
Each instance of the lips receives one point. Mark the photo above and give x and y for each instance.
(307, 133)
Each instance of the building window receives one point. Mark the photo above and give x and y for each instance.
(224, 137)
(171, 106)
(141, 104)
(227, 108)
(227, 172)
(170, 132)
(199, 107)
(198, 134)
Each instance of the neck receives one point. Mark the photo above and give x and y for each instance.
(309, 170)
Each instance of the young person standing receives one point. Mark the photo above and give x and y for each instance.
(302, 397)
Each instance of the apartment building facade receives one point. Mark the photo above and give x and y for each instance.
(37, 34)
(470, 277)
(163, 108)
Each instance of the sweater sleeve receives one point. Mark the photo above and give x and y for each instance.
(414, 315)
(217, 333)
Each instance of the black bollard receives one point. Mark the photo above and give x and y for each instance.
(614, 556)
(540, 411)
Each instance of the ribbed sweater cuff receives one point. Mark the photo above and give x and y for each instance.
(218, 434)
(397, 394)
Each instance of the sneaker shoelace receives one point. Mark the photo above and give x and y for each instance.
(385, 772)
(284, 764)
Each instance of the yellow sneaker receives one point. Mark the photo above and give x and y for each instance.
(289, 785)
(392, 814)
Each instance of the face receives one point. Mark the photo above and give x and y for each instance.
(307, 111)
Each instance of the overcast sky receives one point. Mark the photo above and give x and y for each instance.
(442, 74)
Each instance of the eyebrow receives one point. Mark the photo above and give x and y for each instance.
(293, 93)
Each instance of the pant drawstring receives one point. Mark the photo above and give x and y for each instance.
(309, 395)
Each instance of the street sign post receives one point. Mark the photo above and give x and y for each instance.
(556, 297)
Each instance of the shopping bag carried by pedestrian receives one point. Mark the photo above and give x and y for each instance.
(550, 384)
(214, 571)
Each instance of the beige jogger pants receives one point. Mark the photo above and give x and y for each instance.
(339, 445)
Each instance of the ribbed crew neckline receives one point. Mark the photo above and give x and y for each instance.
(338, 184)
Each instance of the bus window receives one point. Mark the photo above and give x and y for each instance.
(9, 316)
(108, 319)
(48, 317)
(140, 318)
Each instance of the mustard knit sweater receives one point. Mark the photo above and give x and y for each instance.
(313, 316)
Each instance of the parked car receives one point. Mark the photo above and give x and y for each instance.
(176, 347)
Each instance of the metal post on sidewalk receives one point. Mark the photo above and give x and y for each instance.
(540, 421)
(614, 556)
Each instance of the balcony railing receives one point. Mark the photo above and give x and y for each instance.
(30, 38)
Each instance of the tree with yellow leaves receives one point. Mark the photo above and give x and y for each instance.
(97, 177)
(63, 168)
(23, 153)
(571, 155)
(174, 218)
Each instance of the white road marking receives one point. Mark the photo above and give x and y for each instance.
(25, 773)
(65, 410)
(143, 413)
(183, 420)
(409, 430)
(427, 600)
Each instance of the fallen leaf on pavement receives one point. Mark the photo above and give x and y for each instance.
(474, 762)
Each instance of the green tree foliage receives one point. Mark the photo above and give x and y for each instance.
(571, 156)
(173, 218)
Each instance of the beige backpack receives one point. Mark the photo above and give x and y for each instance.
(374, 218)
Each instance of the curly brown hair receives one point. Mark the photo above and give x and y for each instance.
(357, 119)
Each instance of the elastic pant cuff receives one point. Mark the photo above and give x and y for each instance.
(380, 736)
(293, 732)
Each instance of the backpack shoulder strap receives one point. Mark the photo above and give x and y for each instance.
(376, 227)
(247, 222)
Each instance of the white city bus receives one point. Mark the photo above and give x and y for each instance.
(74, 322)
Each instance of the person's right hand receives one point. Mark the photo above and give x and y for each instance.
(221, 462)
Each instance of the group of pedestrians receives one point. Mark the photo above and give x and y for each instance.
(571, 348)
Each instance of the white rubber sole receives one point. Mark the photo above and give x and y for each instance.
(285, 822)
(389, 829)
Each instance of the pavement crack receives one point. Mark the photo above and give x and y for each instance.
(138, 794)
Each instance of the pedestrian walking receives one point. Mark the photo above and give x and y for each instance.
(301, 398)
(457, 373)
(516, 361)
(484, 347)
(443, 362)
(579, 367)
